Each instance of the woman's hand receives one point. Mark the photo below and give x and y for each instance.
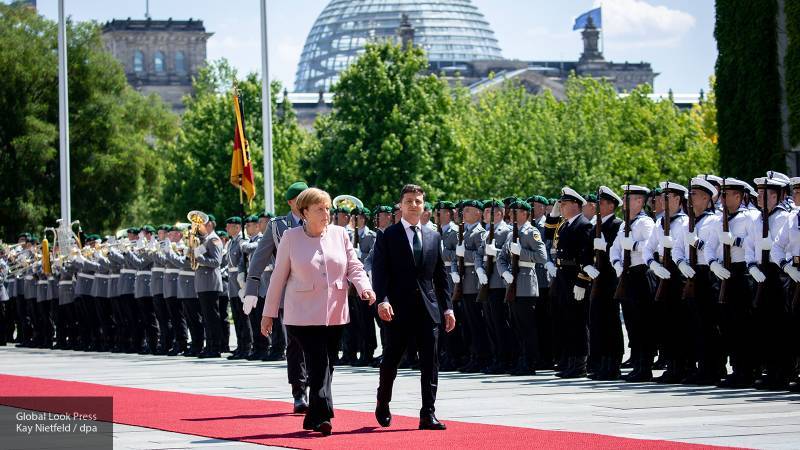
(368, 295)
(266, 326)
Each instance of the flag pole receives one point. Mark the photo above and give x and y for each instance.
(266, 114)
(63, 118)
(244, 145)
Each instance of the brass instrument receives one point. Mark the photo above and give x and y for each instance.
(197, 219)
(348, 201)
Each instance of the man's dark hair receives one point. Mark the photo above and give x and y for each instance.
(412, 189)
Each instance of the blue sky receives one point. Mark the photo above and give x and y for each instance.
(676, 36)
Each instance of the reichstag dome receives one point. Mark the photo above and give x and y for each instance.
(451, 32)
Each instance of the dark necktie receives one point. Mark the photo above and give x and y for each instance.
(416, 245)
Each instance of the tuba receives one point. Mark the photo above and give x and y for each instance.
(349, 201)
(196, 220)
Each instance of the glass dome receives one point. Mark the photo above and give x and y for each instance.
(450, 31)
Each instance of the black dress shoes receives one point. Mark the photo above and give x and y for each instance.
(429, 422)
(383, 415)
(300, 403)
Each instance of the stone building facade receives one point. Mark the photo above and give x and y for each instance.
(159, 56)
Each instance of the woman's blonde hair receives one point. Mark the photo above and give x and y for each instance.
(311, 196)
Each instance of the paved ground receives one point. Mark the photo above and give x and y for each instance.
(746, 418)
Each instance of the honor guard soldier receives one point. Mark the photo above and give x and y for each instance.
(177, 318)
(363, 312)
(208, 285)
(635, 292)
(517, 265)
(232, 261)
(125, 290)
(141, 289)
(187, 296)
(453, 349)
(572, 241)
(786, 253)
(160, 307)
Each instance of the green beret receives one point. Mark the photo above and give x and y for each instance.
(445, 205)
(361, 211)
(591, 198)
(384, 209)
(266, 215)
(509, 200)
(164, 227)
(552, 201)
(34, 238)
(173, 228)
(520, 204)
(251, 219)
(211, 218)
(472, 203)
(234, 220)
(133, 230)
(295, 189)
(25, 235)
(344, 210)
(490, 203)
(222, 233)
(427, 206)
(395, 208)
(148, 228)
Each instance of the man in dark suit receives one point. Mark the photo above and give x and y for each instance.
(410, 282)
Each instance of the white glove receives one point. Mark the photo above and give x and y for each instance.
(725, 238)
(199, 251)
(600, 244)
(515, 248)
(686, 269)
(551, 269)
(666, 241)
(248, 303)
(765, 244)
(579, 293)
(460, 249)
(369, 275)
(792, 272)
(618, 268)
(591, 271)
(240, 279)
(165, 245)
(508, 277)
(692, 238)
(491, 250)
(721, 272)
(757, 274)
(241, 293)
(455, 277)
(659, 270)
(556, 211)
(628, 243)
(482, 278)
(358, 253)
(97, 255)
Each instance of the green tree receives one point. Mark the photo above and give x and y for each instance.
(116, 135)
(199, 161)
(390, 125)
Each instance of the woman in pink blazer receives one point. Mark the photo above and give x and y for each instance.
(312, 269)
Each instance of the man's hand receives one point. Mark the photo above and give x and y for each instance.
(385, 311)
(482, 278)
(248, 303)
(508, 277)
(449, 321)
(460, 250)
(455, 277)
(266, 326)
(600, 244)
(368, 295)
(515, 248)
(556, 211)
(491, 250)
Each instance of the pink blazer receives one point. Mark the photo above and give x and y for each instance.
(314, 272)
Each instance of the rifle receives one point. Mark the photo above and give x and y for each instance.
(483, 294)
(666, 256)
(458, 288)
(764, 253)
(726, 249)
(511, 289)
(356, 245)
(688, 288)
(619, 294)
(598, 256)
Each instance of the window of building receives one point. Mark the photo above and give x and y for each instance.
(158, 61)
(180, 64)
(138, 61)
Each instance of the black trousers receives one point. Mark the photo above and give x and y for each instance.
(674, 315)
(66, 327)
(704, 308)
(24, 328)
(30, 318)
(47, 328)
(209, 308)
(11, 319)
(87, 320)
(605, 328)
(398, 332)
(279, 341)
(130, 309)
(523, 318)
(261, 343)
(572, 315)
(5, 322)
(637, 307)
(544, 328)
(296, 367)
(224, 323)
(177, 322)
(476, 328)
(194, 319)
(499, 327)
(147, 319)
(454, 347)
(166, 334)
(121, 330)
(351, 336)
(774, 321)
(737, 325)
(241, 324)
(320, 345)
(106, 324)
(366, 326)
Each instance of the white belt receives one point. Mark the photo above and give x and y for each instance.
(127, 271)
(142, 272)
(114, 276)
(269, 268)
(448, 263)
(527, 264)
(102, 275)
(29, 277)
(65, 283)
(468, 264)
(84, 275)
(42, 282)
(187, 273)
(158, 269)
(172, 271)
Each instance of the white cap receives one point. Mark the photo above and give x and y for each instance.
(674, 187)
(794, 181)
(771, 183)
(711, 178)
(702, 184)
(634, 189)
(606, 193)
(778, 176)
(567, 193)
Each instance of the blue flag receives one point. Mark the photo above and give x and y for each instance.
(583, 19)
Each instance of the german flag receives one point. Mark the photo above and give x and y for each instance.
(241, 167)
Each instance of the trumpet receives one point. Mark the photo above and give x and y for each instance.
(197, 219)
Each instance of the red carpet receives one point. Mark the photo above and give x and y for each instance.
(269, 423)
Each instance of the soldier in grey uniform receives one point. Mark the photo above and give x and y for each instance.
(177, 319)
(208, 285)
(224, 301)
(367, 342)
(141, 291)
(125, 290)
(531, 250)
(495, 312)
(383, 218)
(85, 301)
(473, 319)
(453, 350)
(30, 302)
(101, 267)
(117, 314)
(166, 333)
(187, 295)
(261, 344)
(44, 320)
(263, 256)
(232, 260)
(66, 326)
(544, 318)
(5, 322)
